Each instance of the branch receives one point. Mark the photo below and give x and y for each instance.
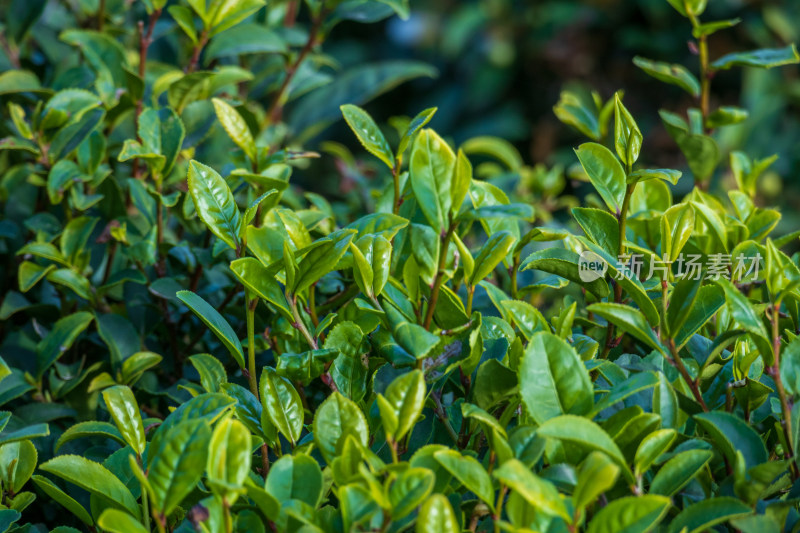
(439, 278)
(275, 112)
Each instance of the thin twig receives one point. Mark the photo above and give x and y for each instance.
(145, 40)
(775, 372)
(201, 43)
(275, 112)
(677, 362)
(439, 277)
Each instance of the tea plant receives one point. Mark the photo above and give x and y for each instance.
(191, 344)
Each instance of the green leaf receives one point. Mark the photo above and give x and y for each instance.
(230, 13)
(764, 58)
(627, 135)
(18, 81)
(229, 455)
(19, 461)
(733, 435)
(368, 133)
(432, 165)
(236, 128)
(94, 478)
(416, 124)
(334, 421)
(116, 521)
(462, 180)
(601, 227)
(65, 500)
(184, 18)
(248, 38)
(527, 318)
(60, 339)
(257, 278)
(214, 203)
(295, 477)
(252, 209)
(726, 116)
(681, 302)
(538, 492)
(493, 383)
(605, 172)
(415, 339)
(630, 514)
(385, 224)
(632, 385)
(218, 325)
(74, 132)
(90, 428)
(176, 460)
(135, 365)
(585, 434)
(29, 274)
(28, 432)
(496, 148)
(60, 179)
(18, 118)
(373, 260)
(710, 28)
(75, 237)
(321, 259)
(405, 397)
(436, 516)
(709, 301)
(689, 7)
(161, 132)
(7, 519)
(629, 320)
(248, 408)
(305, 366)
(207, 407)
(714, 222)
(104, 53)
(666, 174)
(492, 254)
(553, 380)
(44, 250)
(701, 151)
(564, 263)
(745, 315)
(677, 225)
(705, 514)
(679, 471)
(489, 422)
(72, 280)
(124, 409)
(282, 404)
(651, 448)
(670, 73)
(571, 109)
(469, 472)
(597, 475)
(212, 373)
(409, 490)
(349, 368)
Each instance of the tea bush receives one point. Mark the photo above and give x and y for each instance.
(191, 343)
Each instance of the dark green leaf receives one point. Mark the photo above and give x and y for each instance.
(218, 325)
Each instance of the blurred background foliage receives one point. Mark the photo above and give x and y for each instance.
(492, 67)
(503, 63)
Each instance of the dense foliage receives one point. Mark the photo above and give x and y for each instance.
(191, 343)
